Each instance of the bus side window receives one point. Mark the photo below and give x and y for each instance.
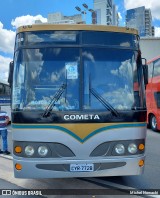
(150, 70)
(1, 89)
(156, 71)
(7, 90)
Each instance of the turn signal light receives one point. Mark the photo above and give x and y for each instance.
(141, 147)
(18, 166)
(18, 149)
(141, 163)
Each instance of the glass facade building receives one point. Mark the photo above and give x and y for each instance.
(140, 19)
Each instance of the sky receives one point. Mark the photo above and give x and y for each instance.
(14, 13)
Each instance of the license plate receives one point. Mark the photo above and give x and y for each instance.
(81, 167)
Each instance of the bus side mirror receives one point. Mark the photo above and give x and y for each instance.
(145, 74)
(145, 70)
(10, 75)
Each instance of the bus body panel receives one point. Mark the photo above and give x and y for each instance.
(59, 167)
(29, 169)
(152, 91)
(71, 27)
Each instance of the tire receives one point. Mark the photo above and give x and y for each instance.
(153, 123)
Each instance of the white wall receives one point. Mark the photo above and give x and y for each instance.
(150, 47)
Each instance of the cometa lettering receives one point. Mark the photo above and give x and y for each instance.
(82, 117)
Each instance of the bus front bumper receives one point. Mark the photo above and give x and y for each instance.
(51, 168)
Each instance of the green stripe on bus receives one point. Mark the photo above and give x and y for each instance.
(116, 126)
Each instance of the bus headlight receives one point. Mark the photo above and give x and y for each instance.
(42, 151)
(132, 148)
(29, 150)
(119, 149)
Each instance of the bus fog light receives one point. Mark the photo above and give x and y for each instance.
(29, 150)
(18, 166)
(132, 148)
(141, 163)
(119, 149)
(141, 147)
(42, 151)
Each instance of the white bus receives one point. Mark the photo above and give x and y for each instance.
(78, 102)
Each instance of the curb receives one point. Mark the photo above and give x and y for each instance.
(6, 156)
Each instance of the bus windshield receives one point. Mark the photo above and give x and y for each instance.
(110, 72)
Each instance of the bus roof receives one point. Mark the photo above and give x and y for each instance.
(105, 28)
(153, 59)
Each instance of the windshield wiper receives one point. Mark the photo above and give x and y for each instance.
(104, 102)
(55, 98)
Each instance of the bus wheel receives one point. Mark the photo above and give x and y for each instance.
(153, 123)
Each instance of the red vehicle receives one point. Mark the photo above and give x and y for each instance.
(153, 94)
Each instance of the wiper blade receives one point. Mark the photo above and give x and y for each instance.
(55, 98)
(104, 102)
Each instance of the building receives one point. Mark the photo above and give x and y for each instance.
(140, 19)
(38, 21)
(106, 12)
(148, 22)
(150, 47)
(58, 17)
